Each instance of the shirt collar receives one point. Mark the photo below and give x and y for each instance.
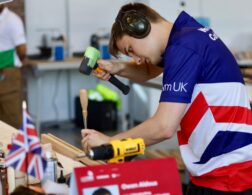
(4, 13)
(181, 20)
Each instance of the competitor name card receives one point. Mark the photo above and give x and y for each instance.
(142, 177)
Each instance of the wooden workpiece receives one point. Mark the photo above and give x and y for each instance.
(67, 149)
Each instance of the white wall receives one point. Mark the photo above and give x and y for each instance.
(229, 18)
(43, 16)
(78, 19)
(87, 17)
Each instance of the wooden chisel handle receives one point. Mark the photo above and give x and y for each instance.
(84, 105)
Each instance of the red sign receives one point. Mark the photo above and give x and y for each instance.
(142, 177)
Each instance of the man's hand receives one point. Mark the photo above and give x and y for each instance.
(92, 138)
(109, 67)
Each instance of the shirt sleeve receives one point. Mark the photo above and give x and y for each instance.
(18, 33)
(182, 71)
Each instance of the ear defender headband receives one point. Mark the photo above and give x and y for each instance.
(134, 24)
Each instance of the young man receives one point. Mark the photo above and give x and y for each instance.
(203, 92)
(12, 53)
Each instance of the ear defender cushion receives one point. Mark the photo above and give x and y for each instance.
(136, 24)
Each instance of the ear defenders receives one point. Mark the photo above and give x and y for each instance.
(135, 24)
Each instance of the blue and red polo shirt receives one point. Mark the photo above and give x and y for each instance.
(216, 131)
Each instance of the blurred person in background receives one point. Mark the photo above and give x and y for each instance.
(12, 55)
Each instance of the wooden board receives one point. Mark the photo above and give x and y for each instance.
(67, 149)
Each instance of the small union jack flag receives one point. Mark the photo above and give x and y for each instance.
(26, 154)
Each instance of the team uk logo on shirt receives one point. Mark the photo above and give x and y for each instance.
(211, 34)
(175, 87)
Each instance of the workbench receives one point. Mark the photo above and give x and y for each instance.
(7, 133)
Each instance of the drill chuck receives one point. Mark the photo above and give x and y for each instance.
(103, 152)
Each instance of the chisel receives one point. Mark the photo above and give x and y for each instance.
(84, 105)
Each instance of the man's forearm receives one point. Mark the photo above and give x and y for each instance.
(161, 126)
(138, 73)
(150, 130)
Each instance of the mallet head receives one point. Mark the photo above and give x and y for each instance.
(89, 62)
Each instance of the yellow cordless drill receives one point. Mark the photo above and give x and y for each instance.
(117, 150)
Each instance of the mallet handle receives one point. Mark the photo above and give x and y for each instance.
(84, 105)
(124, 88)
